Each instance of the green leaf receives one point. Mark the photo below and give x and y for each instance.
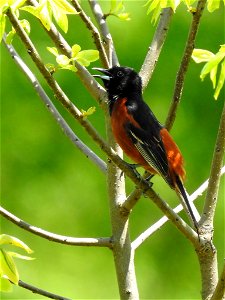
(213, 76)
(124, 16)
(8, 268)
(10, 36)
(51, 68)
(220, 81)
(113, 5)
(89, 112)
(53, 50)
(86, 56)
(6, 239)
(26, 25)
(201, 55)
(62, 60)
(17, 255)
(60, 18)
(5, 285)
(75, 50)
(17, 4)
(211, 64)
(213, 5)
(70, 68)
(64, 6)
(2, 25)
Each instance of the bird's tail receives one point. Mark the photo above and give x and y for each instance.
(185, 202)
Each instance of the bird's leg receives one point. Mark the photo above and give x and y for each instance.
(134, 168)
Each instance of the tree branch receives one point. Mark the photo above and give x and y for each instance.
(184, 64)
(214, 179)
(219, 293)
(107, 38)
(57, 116)
(67, 240)
(39, 291)
(156, 46)
(158, 225)
(179, 223)
(94, 31)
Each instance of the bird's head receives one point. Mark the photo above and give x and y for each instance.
(120, 82)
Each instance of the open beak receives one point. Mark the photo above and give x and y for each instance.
(106, 76)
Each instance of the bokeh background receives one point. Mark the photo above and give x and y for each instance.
(47, 182)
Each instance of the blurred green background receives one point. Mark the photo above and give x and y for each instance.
(50, 184)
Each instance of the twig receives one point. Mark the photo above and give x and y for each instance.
(184, 64)
(67, 240)
(158, 225)
(107, 38)
(94, 31)
(179, 223)
(214, 179)
(57, 116)
(156, 46)
(39, 291)
(219, 293)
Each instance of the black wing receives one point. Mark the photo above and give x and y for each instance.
(147, 138)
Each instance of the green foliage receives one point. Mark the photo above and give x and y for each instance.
(84, 57)
(89, 112)
(8, 269)
(213, 62)
(46, 8)
(155, 6)
(117, 9)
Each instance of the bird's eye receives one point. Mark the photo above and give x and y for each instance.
(120, 74)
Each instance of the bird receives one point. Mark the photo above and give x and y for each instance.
(138, 132)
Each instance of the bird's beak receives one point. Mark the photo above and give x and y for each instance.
(106, 76)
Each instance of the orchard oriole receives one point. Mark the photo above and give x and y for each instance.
(139, 133)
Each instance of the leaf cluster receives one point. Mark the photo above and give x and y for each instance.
(8, 269)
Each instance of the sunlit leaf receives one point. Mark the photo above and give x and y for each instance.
(6, 239)
(5, 285)
(89, 112)
(62, 60)
(211, 64)
(85, 57)
(60, 18)
(213, 5)
(26, 25)
(220, 81)
(8, 268)
(70, 68)
(124, 16)
(2, 25)
(53, 50)
(75, 50)
(17, 4)
(17, 255)
(10, 36)
(201, 55)
(64, 6)
(213, 73)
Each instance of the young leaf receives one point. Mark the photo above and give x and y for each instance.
(64, 6)
(201, 55)
(75, 50)
(69, 67)
(85, 57)
(2, 25)
(17, 255)
(26, 25)
(6, 239)
(124, 16)
(213, 5)
(62, 60)
(89, 112)
(53, 50)
(212, 63)
(8, 268)
(5, 285)
(220, 81)
(17, 4)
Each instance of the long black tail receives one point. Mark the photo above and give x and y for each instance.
(183, 194)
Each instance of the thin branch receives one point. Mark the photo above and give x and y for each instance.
(184, 64)
(107, 38)
(179, 223)
(156, 46)
(158, 225)
(214, 179)
(219, 293)
(95, 33)
(55, 113)
(39, 291)
(67, 240)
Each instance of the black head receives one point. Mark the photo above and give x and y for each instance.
(120, 82)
